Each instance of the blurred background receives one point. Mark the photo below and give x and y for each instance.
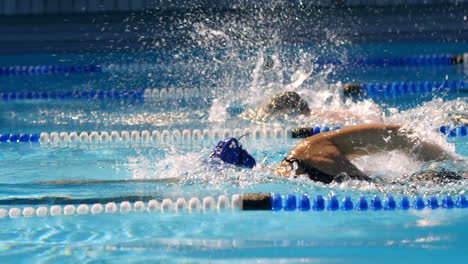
(134, 25)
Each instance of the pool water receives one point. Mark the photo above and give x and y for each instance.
(182, 171)
(225, 79)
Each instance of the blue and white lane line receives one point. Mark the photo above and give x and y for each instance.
(375, 61)
(186, 135)
(176, 135)
(245, 202)
(389, 90)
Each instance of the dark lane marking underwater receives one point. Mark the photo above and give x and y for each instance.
(67, 182)
(62, 200)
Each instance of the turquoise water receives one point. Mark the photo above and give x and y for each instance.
(180, 169)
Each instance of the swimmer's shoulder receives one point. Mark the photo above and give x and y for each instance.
(353, 136)
(368, 127)
(363, 130)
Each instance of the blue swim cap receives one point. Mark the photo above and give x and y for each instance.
(231, 152)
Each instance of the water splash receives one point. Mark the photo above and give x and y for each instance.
(392, 164)
(243, 57)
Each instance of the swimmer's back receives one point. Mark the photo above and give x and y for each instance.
(365, 139)
(352, 139)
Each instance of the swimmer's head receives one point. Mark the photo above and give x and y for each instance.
(230, 151)
(286, 102)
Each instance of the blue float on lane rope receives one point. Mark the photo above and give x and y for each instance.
(290, 203)
(347, 204)
(319, 203)
(304, 203)
(276, 202)
(376, 204)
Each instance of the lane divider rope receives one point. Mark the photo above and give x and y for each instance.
(274, 202)
(48, 69)
(378, 61)
(139, 94)
(304, 132)
(176, 135)
(363, 90)
(249, 201)
(409, 61)
(144, 136)
(401, 89)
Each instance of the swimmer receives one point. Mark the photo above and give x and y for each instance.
(438, 178)
(291, 103)
(459, 118)
(325, 157)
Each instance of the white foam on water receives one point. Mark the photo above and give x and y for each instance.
(329, 107)
(425, 121)
(217, 111)
(196, 169)
(391, 164)
(173, 165)
(265, 72)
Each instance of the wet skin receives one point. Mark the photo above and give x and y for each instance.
(330, 152)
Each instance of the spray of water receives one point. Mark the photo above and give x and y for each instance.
(244, 58)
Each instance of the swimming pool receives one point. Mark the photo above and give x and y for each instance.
(173, 106)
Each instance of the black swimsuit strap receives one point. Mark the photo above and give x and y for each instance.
(313, 173)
